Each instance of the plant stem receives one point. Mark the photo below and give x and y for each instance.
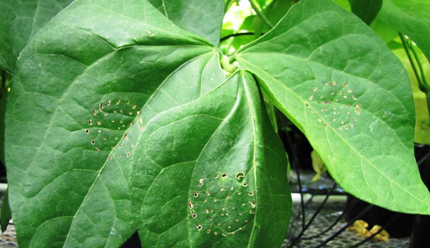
(405, 46)
(260, 14)
(420, 66)
(235, 35)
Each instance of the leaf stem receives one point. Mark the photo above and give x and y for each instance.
(405, 46)
(420, 66)
(235, 35)
(260, 14)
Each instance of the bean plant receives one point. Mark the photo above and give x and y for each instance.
(125, 116)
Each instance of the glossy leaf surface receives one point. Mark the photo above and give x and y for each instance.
(411, 18)
(80, 86)
(351, 97)
(200, 17)
(212, 173)
(20, 21)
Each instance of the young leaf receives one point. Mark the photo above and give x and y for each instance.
(212, 173)
(411, 18)
(80, 87)
(348, 93)
(367, 10)
(200, 17)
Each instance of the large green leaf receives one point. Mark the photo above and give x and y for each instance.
(20, 21)
(80, 88)
(349, 94)
(200, 17)
(411, 18)
(212, 173)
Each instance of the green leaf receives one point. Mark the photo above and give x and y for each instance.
(20, 21)
(340, 84)
(217, 163)
(200, 17)
(274, 12)
(367, 10)
(5, 212)
(411, 18)
(80, 88)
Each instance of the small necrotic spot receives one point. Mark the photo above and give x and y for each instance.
(222, 189)
(109, 102)
(346, 127)
(190, 205)
(101, 107)
(251, 212)
(319, 120)
(252, 204)
(99, 123)
(251, 193)
(215, 200)
(207, 211)
(97, 149)
(211, 218)
(194, 215)
(199, 227)
(240, 175)
(349, 91)
(357, 112)
(118, 102)
(196, 194)
(201, 182)
(133, 107)
(119, 156)
(310, 98)
(334, 83)
(224, 175)
(344, 85)
(244, 184)
(227, 197)
(128, 154)
(121, 111)
(92, 142)
(208, 193)
(94, 112)
(224, 234)
(105, 113)
(358, 106)
(208, 231)
(315, 89)
(231, 188)
(87, 131)
(90, 122)
(215, 233)
(138, 113)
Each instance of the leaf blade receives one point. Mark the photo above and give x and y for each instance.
(78, 90)
(202, 18)
(186, 143)
(353, 108)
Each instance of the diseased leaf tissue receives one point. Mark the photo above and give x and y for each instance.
(120, 118)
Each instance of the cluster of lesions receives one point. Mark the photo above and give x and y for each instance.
(114, 124)
(222, 204)
(334, 105)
